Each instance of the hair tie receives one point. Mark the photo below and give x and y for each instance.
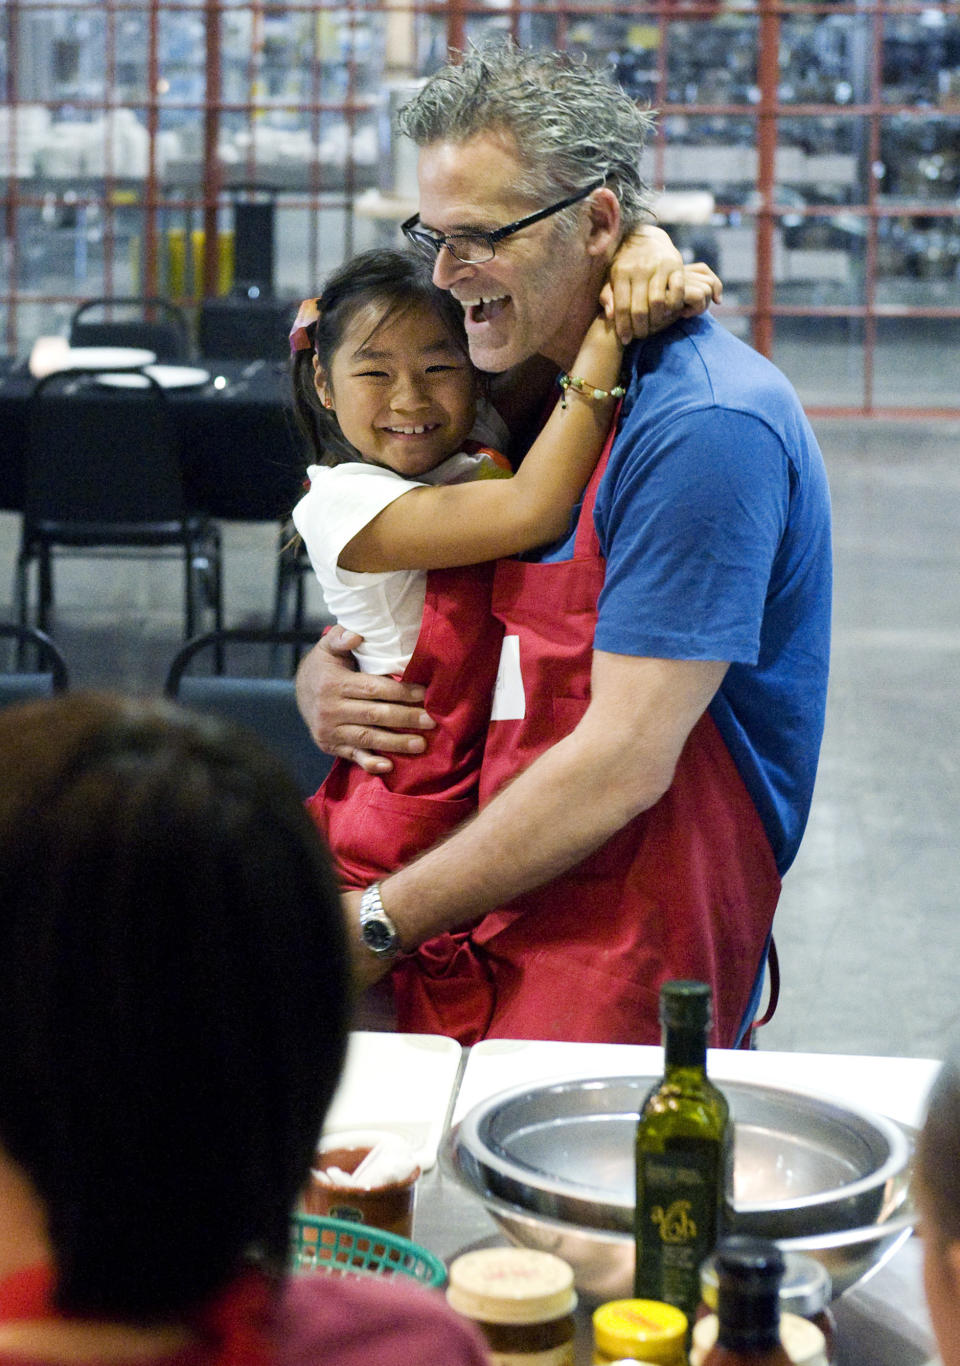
(304, 328)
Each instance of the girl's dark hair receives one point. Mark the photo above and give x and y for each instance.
(174, 997)
(938, 1149)
(395, 280)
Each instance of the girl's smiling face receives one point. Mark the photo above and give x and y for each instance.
(404, 392)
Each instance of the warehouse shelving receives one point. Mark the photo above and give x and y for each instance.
(828, 135)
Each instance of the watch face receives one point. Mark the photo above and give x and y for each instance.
(376, 935)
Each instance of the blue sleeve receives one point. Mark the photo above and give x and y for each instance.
(689, 519)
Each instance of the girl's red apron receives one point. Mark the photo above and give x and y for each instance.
(375, 825)
(687, 889)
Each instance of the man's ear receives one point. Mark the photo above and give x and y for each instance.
(604, 230)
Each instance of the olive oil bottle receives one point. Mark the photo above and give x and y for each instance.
(684, 1157)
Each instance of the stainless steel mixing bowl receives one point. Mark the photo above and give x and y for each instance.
(554, 1166)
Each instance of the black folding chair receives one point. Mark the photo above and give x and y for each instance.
(293, 569)
(152, 323)
(48, 675)
(103, 476)
(261, 698)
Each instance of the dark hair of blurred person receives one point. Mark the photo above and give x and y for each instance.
(174, 1010)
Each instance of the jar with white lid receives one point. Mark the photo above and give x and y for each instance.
(521, 1300)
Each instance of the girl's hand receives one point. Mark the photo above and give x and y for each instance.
(701, 288)
(649, 287)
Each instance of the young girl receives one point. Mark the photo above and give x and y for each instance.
(385, 391)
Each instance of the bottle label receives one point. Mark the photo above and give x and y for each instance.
(679, 1193)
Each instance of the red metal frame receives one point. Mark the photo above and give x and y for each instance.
(764, 311)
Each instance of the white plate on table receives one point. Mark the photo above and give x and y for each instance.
(104, 358)
(167, 376)
(397, 1083)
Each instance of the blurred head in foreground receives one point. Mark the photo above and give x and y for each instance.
(174, 998)
(937, 1182)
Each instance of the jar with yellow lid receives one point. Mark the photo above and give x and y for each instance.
(521, 1300)
(639, 1330)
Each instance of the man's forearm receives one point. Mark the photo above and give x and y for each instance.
(562, 808)
(618, 761)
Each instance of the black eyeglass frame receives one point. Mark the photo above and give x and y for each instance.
(437, 241)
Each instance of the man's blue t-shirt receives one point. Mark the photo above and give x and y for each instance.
(714, 518)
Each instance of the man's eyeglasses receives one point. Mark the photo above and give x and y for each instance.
(476, 247)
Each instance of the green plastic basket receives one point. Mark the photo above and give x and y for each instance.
(340, 1248)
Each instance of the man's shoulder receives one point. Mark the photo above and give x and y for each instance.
(701, 353)
(698, 368)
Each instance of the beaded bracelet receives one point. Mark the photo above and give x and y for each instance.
(588, 390)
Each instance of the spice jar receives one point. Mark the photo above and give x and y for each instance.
(805, 1290)
(365, 1177)
(639, 1330)
(521, 1300)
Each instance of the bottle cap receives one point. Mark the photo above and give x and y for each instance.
(511, 1285)
(686, 1005)
(805, 1289)
(751, 1261)
(641, 1330)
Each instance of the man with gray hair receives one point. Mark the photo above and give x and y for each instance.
(659, 705)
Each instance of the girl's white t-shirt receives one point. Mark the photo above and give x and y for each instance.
(386, 609)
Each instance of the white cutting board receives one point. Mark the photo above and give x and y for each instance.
(401, 1083)
(894, 1086)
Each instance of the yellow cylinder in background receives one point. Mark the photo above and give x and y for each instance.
(197, 246)
(135, 286)
(225, 261)
(176, 262)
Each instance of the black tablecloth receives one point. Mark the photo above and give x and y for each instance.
(243, 457)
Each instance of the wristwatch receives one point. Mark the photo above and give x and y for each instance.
(377, 930)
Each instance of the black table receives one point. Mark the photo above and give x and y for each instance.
(243, 457)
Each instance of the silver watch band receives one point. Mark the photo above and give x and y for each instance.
(377, 930)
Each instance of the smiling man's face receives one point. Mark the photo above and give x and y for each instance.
(539, 292)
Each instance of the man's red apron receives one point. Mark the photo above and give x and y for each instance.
(687, 889)
(375, 825)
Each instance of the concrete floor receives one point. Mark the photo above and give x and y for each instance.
(868, 942)
(869, 948)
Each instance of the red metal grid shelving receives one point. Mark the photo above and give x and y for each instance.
(343, 89)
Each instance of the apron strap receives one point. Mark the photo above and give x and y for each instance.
(773, 968)
(586, 544)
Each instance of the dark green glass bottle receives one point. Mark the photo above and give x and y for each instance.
(684, 1157)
